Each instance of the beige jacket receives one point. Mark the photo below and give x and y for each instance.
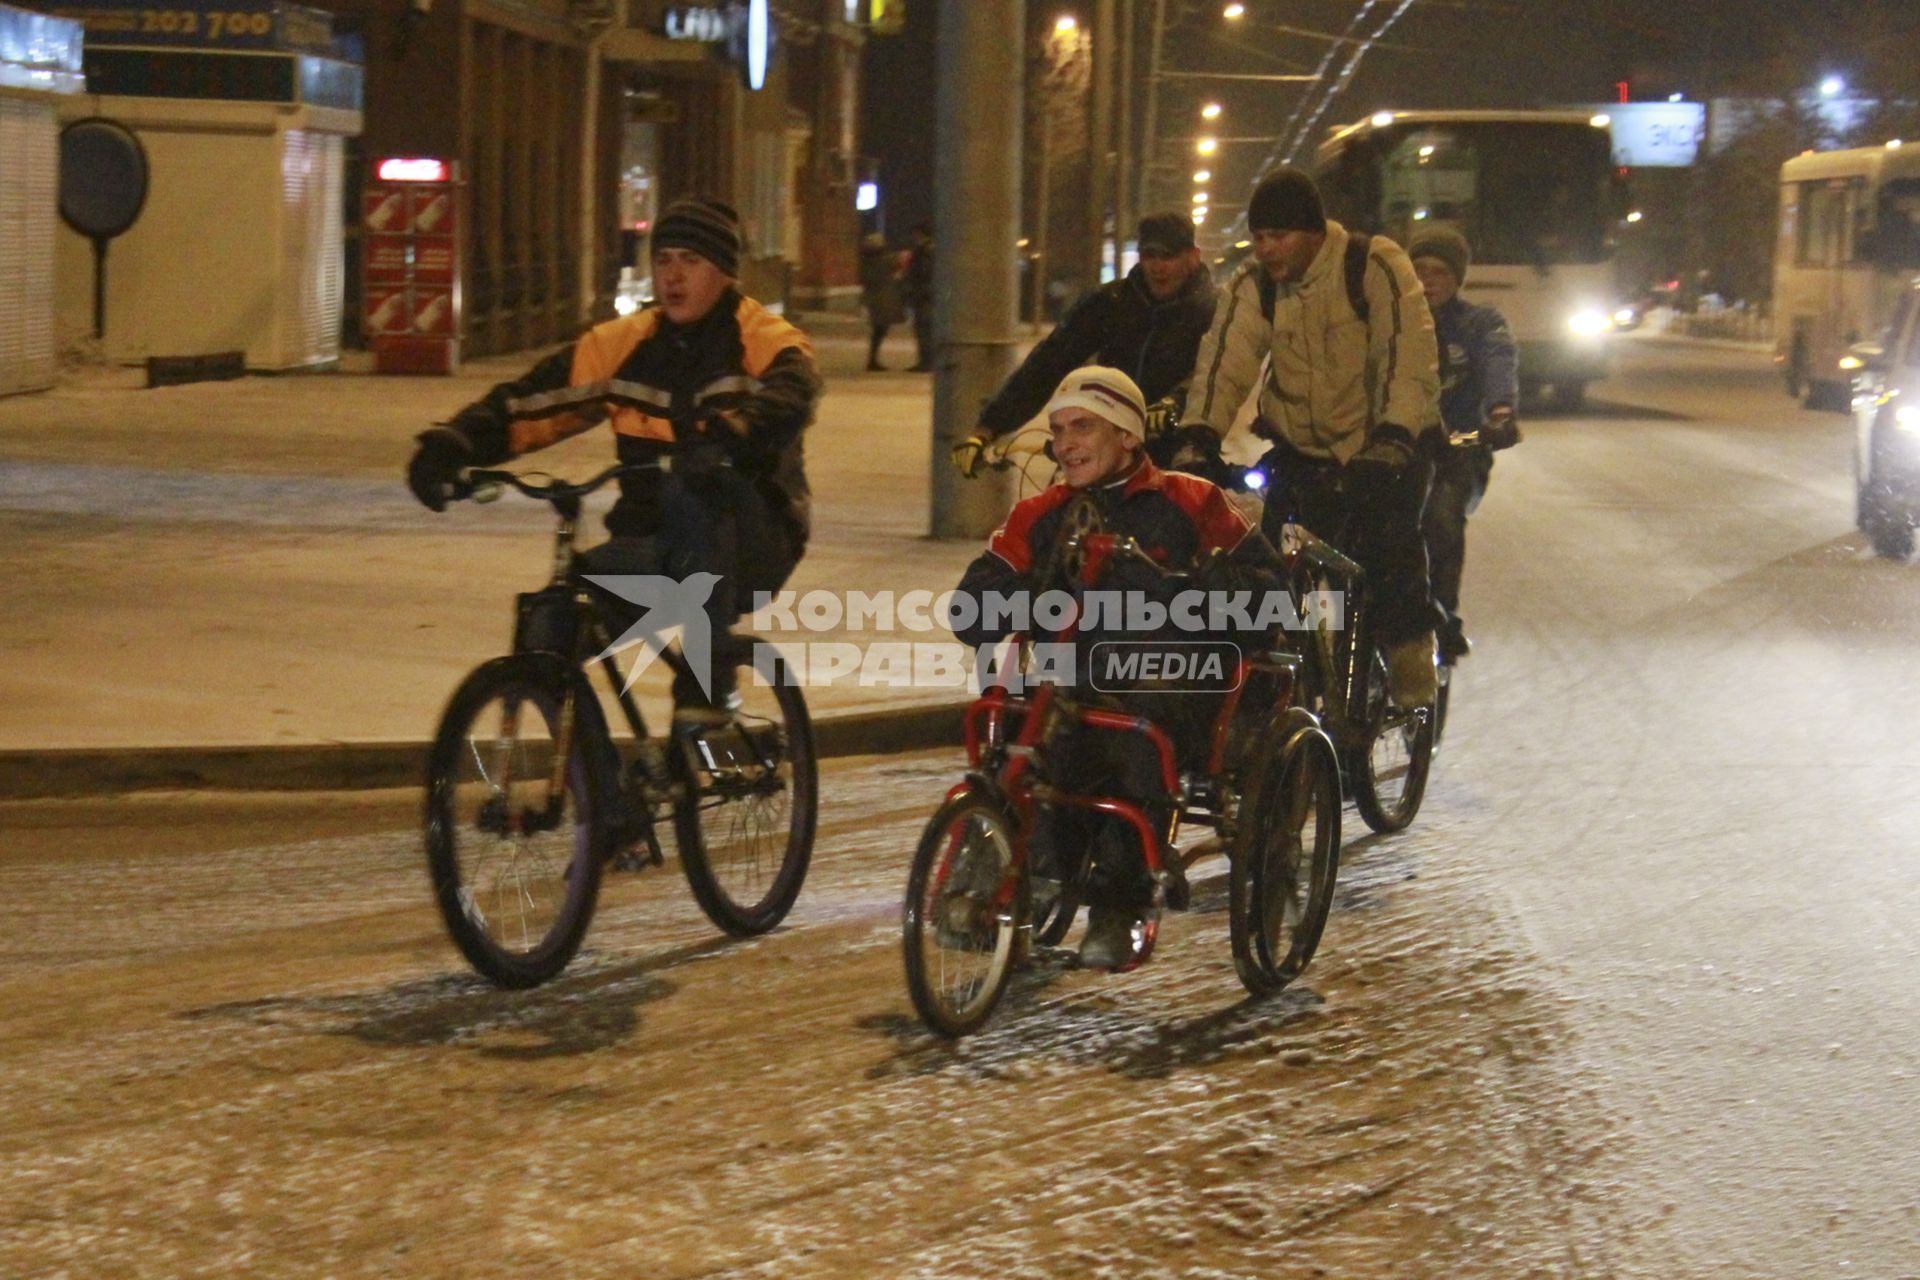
(1330, 376)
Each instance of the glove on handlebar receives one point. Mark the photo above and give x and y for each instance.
(436, 466)
(970, 454)
(1502, 430)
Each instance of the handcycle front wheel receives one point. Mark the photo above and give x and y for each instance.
(1286, 856)
(965, 906)
(516, 864)
(1390, 770)
(749, 802)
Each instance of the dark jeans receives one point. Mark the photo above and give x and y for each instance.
(876, 334)
(715, 522)
(1102, 762)
(923, 335)
(1459, 482)
(1380, 530)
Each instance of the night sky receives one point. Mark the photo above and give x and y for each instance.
(1461, 53)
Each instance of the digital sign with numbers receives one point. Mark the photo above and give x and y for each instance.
(204, 24)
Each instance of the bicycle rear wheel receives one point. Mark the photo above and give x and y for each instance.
(1390, 771)
(746, 818)
(515, 863)
(961, 922)
(1286, 859)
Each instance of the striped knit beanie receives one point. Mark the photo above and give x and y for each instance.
(707, 227)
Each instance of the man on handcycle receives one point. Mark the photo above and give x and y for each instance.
(706, 373)
(1196, 538)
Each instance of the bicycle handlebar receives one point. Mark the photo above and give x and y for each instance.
(482, 484)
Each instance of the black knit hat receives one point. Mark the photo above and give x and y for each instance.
(707, 227)
(1166, 235)
(1286, 200)
(1446, 244)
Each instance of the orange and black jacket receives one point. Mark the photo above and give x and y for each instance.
(661, 382)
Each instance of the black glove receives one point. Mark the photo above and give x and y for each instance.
(443, 454)
(1502, 430)
(1196, 445)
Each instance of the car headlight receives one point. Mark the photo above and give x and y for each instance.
(1588, 324)
(1624, 316)
(1907, 417)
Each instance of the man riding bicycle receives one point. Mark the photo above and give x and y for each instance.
(1351, 390)
(1479, 387)
(706, 373)
(1097, 419)
(1148, 325)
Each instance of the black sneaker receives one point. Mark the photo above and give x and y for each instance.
(1109, 940)
(1453, 644)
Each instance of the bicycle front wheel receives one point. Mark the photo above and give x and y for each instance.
(1390, 773)
(1286, 858)
(750, 800)
(966, 902)
(515, 861)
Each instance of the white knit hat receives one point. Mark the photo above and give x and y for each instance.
(1107, 394)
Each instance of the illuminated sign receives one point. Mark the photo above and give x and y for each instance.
(866, 197)
(1656, 135)
(400, 169)
(691, 22)
(745, 28)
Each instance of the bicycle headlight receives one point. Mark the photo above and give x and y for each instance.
(1256, 479)
(1589, 323)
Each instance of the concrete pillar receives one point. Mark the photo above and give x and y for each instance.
(976, 230)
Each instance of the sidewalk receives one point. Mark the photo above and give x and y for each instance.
(239, 565)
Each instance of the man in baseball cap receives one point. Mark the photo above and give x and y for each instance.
(1097, 418)
(1147, 323)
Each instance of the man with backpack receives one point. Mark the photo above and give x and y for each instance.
(1350, 400)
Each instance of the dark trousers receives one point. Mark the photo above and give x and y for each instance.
(716, 522)
(876, 334)
(1381, 530)
(923, 335)
(1459, 482)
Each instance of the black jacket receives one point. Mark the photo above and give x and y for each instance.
(1118, 325)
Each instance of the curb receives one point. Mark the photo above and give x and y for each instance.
(366, 766)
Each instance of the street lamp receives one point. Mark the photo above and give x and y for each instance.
(1210, 112)
(1832, 87)
(1234, 12)
(1203, 175)
(1201, 197)
(1065, 24)
(1381, 119)
(1207, 146)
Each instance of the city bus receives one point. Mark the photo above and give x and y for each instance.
(1538, 198)
(1849, 244)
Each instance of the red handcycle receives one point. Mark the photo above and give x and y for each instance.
(975, 910)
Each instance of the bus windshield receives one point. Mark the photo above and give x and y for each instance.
(1523, 193)
(1898, 243)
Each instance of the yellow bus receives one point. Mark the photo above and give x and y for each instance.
(1849, 244)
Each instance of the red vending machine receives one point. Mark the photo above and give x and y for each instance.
(411, 265)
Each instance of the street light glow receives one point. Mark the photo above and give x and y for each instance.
(1207, 146)
(1832, 87)
(1601, 121)
(1635, 216)
(1201, 197)
(1066, 24)
(1199, 216)
(1203, 175)
(1674, 97)
(1381, 119)
(1210, 112)
(1234, 12)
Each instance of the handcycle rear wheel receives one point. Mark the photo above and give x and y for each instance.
(965, 906)
(1286, 856)
(516, 866)
(1390, 770)
(750, 801)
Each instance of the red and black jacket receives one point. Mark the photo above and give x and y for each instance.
(1178, 520)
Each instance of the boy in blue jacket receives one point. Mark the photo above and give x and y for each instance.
(1479, 387)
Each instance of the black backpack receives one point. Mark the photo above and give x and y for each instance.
(1358, 247)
